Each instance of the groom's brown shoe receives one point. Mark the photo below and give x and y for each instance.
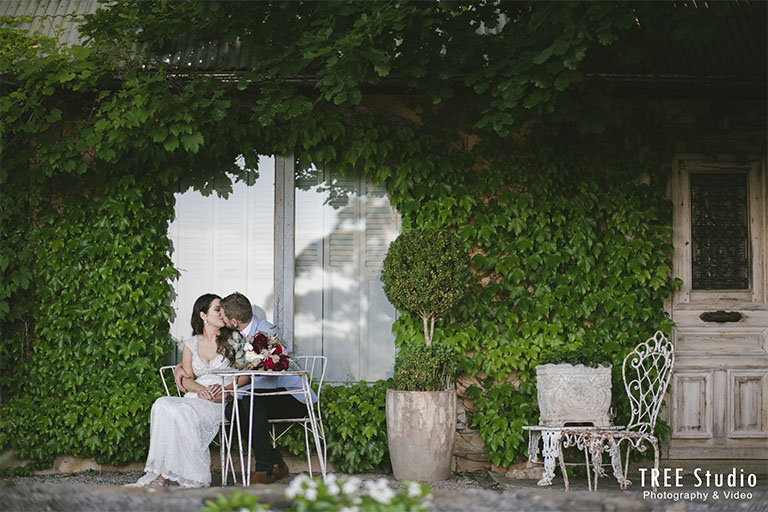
(279, 470)
(261, 477)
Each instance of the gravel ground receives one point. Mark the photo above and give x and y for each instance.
(462, 481)
(480, 491)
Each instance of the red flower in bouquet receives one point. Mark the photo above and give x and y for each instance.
(259, 341)
(261, 352)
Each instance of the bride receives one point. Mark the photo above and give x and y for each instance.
(181, 429)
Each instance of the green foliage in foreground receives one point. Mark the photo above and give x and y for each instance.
(342, 494)
(235, 502)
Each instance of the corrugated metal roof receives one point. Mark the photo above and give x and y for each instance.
(51, 18)
(211, 56)
(60, 19)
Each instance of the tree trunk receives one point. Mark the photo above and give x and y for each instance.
(431, 328)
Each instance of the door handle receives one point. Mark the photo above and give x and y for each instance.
(721, 317)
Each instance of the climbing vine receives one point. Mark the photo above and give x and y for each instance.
(491, 119)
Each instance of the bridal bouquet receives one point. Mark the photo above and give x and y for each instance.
(260, 352)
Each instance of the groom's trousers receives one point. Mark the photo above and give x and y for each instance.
(264, 408)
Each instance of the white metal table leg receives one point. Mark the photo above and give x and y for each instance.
(222, 436)
(534, 436)
(313, 424)
(549, 451)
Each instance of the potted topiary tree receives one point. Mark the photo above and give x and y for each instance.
(425, 273)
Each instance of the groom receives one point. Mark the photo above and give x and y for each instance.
(269, 465)
(238, 315)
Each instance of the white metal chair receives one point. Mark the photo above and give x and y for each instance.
(315, 367)
(164, 370)
(166, 373)
(646, 372)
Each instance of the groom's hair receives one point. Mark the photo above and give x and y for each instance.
(237, 306)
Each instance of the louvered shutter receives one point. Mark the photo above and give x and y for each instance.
(341, 312)
(224, 245)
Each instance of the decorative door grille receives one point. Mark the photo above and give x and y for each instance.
(720, 242)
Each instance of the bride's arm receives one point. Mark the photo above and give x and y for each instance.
(243, 380)
(186, 363)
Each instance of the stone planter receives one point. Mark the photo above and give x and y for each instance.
(573, 394)
(421, 428)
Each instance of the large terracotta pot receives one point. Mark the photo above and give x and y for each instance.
(421, 427)
(573, 394)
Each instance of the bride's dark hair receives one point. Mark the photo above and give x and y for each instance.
(202, 305)
(223, 346)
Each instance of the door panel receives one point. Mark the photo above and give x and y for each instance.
(718, 402)
(749, 403)
(692, 412)
(696, 345)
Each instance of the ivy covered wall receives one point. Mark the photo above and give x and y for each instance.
(555, 181)
(82, 344)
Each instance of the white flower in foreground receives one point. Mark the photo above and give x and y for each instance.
(349, 509)
(331, 486)
(413, 489)
(296, 486)
(380, 491)
(311, 494)
(351, 485)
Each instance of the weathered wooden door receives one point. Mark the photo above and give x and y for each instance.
(719, 391)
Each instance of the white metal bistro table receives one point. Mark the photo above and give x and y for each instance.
(261, 379)
(552, 447)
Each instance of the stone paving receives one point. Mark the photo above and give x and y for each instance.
(480, 491)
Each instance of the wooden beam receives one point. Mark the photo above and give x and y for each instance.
(284, 264)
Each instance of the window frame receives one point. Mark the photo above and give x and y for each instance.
(684, 166)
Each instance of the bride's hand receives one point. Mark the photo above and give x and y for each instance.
(211, 393)
(215, 390)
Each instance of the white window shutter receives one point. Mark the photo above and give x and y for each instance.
(224, 245)
(341, 311)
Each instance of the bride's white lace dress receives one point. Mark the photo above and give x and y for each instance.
(181, 429)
